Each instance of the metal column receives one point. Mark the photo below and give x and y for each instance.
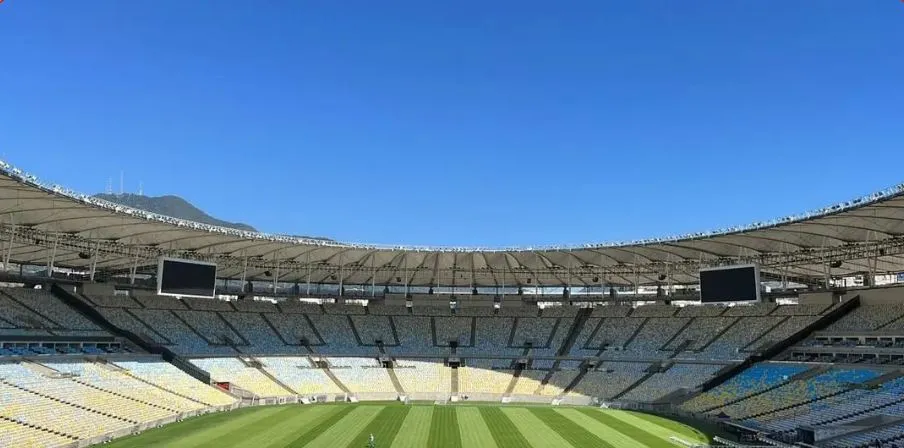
(52, 257)
(9, 250)
(94, 260)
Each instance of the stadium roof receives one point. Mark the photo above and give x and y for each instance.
(49, 221)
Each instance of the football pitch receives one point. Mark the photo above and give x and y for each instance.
(416, 426)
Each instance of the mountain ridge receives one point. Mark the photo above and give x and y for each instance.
(173, 206)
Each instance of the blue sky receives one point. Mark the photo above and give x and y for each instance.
(461, 123)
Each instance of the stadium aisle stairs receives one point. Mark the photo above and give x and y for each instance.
(395, 381)
(649, 373)
(514, 382)
(454, 381)
(334, 379)
(260, 367)
(574, 383)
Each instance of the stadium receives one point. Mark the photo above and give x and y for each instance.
(129, 327)
(510, 155)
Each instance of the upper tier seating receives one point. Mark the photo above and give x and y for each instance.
(374, 328)
(756, 309)
(560, 311)
(336, 308)
(113, 301)
(492, 337)
(207, 304)
(338, 335)
(255, 306)
(611, 311)
(518, 311)
(258, 333)
(53, 310)
(868, 318)
(161, 302)
(475, 311)
(701, 311)
(431, 311)
(388, 310)
(415, 336)
(294, 306)
(184, 338)
(654, 311)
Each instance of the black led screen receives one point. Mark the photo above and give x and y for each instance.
(186, 278)
(740, 284)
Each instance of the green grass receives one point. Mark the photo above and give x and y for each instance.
(416, 426)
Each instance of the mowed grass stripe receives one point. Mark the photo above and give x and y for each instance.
(415, 430)
(568, 429)
(444, 428)
(211, 432)
(599, 429)
(661, 432)
(384, 427)
(627, 429)
(309, 434)
(345, 430)
(473, 429)
(538, 434)
(180, 430)
(502, 429)
(677, 427)
(238, 433)
(281, 434)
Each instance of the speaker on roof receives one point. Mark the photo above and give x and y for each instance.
(398, 279)
(835, 264)
(268, 274)
(596, 279)
(662, 277)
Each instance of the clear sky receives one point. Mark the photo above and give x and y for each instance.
(478, 123)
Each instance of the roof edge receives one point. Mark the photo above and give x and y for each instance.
(31, 180)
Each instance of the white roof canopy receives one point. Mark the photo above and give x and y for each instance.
(864, 235)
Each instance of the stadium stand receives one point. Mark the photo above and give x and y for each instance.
(424, 376)
(299, 374)
(239, 374)
(264, 350)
